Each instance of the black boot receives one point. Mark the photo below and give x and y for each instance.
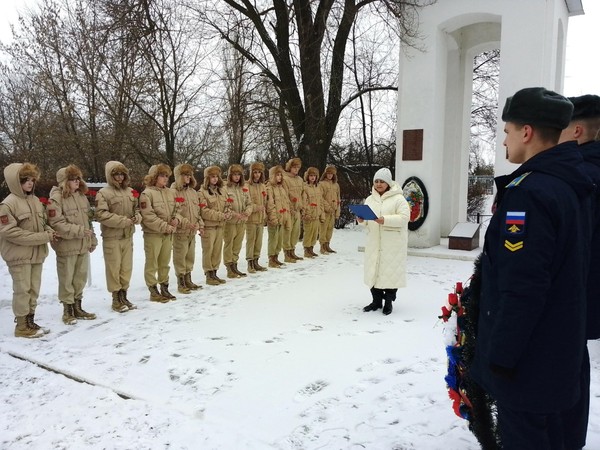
(390, 296)
(377, 299)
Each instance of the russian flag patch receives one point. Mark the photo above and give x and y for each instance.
(515, 222)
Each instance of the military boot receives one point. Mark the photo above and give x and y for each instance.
(230, 272)
(181, 286)
(307, 253)
(312, 252)
(80, 313)
(31, 323)
(257, 266)
(323, 249)
(155, 296)
(68, 317)
(210, 280)
(125, 300)
(216, 277)
(164, 291)
(238, 271)
(293, 255)
(287, 257)
(272, 262)
(22, 329)
(329, 249)
(251, 268)
(117, 303)
(189, 283)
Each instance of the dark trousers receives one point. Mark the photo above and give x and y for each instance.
(521, 430)
(575, 420)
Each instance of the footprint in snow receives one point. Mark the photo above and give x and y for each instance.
(311, 389)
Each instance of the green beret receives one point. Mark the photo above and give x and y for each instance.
(538, 106)
(585, 107)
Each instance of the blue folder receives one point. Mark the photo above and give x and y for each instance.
(363, 211)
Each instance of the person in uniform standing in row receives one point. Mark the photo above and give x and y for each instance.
(278, 214)
(312, 210)
(330, 191)
(256, 221)
(70, 214)
(184, 241)
(24, 237)
(293, 185)
(117, 212)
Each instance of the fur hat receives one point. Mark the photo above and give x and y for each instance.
(311, 171)
(209, 172)
(179, 171)
(273, 171)
(257, 166)
(330, 169)
(29, 170)
(150, 179)
(71, 171)
(294, 162)
(113, 167)
(253, 167)
(235, 169)
(538, 106)
(585, 107)
(383, 174)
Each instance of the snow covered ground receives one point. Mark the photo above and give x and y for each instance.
(282, 360)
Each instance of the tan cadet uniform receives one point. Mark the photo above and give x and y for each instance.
(330, 190)
(240, 205)
(215, 210)
(278, 215)
(184, 239)
(312, 203)
(256, 221)
(293, 185)
(70, 215)
(24, 235)
(117, 211)
(159, 210)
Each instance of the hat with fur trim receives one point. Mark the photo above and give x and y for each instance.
(71, 171)
(29, 170)
(311, 171)
(186, 169)
(585, 107)
(235, 168)
(294, 162)
(330, 169)
(383, 174)
(538, 106)
(212, 171)
(257, 166)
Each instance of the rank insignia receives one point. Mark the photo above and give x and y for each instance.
(513, 247)
(51, 213)
(515, 222)
(4, 220)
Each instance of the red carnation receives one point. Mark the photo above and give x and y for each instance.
(282, 210)
(229, 200)
(313, 204)
(92, 193)
(264, 194)
(245, 189)
(179, 199)
(44, 200)
(294, 199)
(202, 205)
(135, 193)
(453, 299)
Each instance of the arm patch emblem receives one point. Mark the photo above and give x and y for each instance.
(4, 220)
(515, 222)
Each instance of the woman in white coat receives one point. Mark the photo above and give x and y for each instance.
(387, 237)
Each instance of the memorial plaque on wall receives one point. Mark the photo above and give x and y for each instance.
(412, 145)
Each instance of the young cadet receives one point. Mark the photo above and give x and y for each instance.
(160, 219)
(583, 128)
(533, 273)
(293, 185)
(118, 213)
(24, 237)
(184, 242)
(256, 221)
(312, 210)
(70, 214)
(330, 191)
(240, 206)
(278, 214)
(215, 212)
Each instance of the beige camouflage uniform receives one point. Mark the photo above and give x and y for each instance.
(278, 215)
(256, 221)
(293, 185)
(312, 202)
(330, 190)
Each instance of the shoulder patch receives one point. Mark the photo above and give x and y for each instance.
(4, 219)
(515, 222)
(51, 213)
(143, 205)
(517, 180)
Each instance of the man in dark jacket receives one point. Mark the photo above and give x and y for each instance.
(531, 333)
(584, 128)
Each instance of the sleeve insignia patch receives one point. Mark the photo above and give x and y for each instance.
(515, 222)
(4, 220)
(517, 180)
(513, 247)
(51, 213)
(143, 205)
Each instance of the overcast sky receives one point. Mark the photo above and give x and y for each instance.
(582, 60)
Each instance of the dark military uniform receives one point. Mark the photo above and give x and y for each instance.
(530, 337)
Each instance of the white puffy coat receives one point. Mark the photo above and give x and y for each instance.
(385, 251)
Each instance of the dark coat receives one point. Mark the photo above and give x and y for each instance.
(591, 154)
(531, 336)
